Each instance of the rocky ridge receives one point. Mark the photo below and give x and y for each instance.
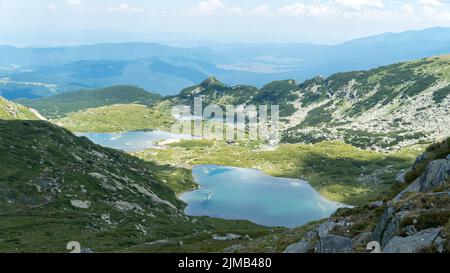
(385, 108)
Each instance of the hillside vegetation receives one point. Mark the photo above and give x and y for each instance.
(58, 188)
(117, 118)
(60, 105)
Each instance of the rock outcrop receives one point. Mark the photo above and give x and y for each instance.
(436, 175)
(413, 244)
(423, 204)
(301, 247)
(335, 244)
(416, 220)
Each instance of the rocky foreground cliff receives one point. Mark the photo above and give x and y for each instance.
(415, 219)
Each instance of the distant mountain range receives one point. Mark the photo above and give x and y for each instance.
(37, 72)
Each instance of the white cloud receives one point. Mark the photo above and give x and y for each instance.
(73, 3)
(51, 7)
(419, 10)
(210, 7)
(294, 9)
(300, 9)
(431, 3)
(347, 8)
(407, 9)
(261, 10)
(430, 11)
(320, 10)
(360, 4)
(434, 10)
(126, 8)
(429, 8)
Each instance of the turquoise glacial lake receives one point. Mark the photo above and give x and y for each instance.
(247, 194)
(132, 141)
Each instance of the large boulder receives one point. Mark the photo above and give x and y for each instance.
(437, 174)
(413, 244)
(326, 228)
(334, 244)
(304, 245)
(301, 247)
(421, 158)
(376, 204)
(413, 187)
(400, 178)
(361, 240)
(80, 204)
(388, 225)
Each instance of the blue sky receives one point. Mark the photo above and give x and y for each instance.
(317, 21)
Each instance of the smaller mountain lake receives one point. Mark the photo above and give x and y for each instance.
(247, 194)
(132, 141)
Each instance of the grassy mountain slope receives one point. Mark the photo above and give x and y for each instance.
(60, 105)
(392, 106)
(11, 111)
(57, 188)
(117, 118)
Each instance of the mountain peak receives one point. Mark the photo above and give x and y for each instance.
(212, 81)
